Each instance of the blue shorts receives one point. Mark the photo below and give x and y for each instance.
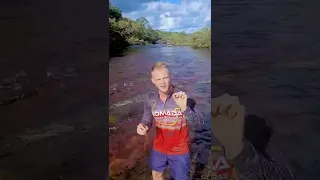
(179, 164)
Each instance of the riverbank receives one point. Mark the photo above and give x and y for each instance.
(198, 39)
(125, 32)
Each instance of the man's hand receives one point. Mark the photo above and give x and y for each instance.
(181, 99)
(142, 129)
(228, 123)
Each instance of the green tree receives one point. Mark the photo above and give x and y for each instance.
(114, 12)
(143, 21)
(124, 32)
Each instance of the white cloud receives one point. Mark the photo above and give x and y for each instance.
(187, 15)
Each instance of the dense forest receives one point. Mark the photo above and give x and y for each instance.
(124, 32)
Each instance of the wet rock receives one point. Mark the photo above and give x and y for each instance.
(11, 83)
(56, 73)
(113, 128)
(9, 80)
(128, 85)
(114, 89)
(21, 73)
(114, 92)
(70, 72)
(17, 86)
(46, 132)
(123, 103)
(7, 101)
(54, 76)
(161, 42)
(134, 100)
(5, 87)
(114, 86)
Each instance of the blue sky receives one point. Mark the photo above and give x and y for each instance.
(169, 15)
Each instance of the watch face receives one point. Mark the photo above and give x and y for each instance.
(221, 168)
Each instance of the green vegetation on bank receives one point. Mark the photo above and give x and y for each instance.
(124, 32)
(198, 39)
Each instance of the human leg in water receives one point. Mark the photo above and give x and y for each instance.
(158, 163)
(179, 165)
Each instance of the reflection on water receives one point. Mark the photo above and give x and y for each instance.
(130, 79)
(167, 52)
(267, 53)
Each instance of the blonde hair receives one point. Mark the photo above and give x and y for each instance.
(159, 65)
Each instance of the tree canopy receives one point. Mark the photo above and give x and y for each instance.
(124, 32)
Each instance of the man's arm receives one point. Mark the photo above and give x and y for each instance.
(147, 114)
(251, 165)
(192, 114)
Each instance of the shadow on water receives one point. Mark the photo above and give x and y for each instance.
(134, 48)
(258, 132)
(266, 52)
(200, 146)
(129, 81)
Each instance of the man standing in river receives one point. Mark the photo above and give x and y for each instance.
(172, 112)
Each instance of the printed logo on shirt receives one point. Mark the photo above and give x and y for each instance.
(221, 169)
(170, 120)
(221, 164)
(161, 114)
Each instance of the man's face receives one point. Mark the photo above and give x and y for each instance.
(161, 79)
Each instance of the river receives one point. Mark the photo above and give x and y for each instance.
(267, 53)
(129, 80)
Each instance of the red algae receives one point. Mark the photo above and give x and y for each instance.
(127, 148)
